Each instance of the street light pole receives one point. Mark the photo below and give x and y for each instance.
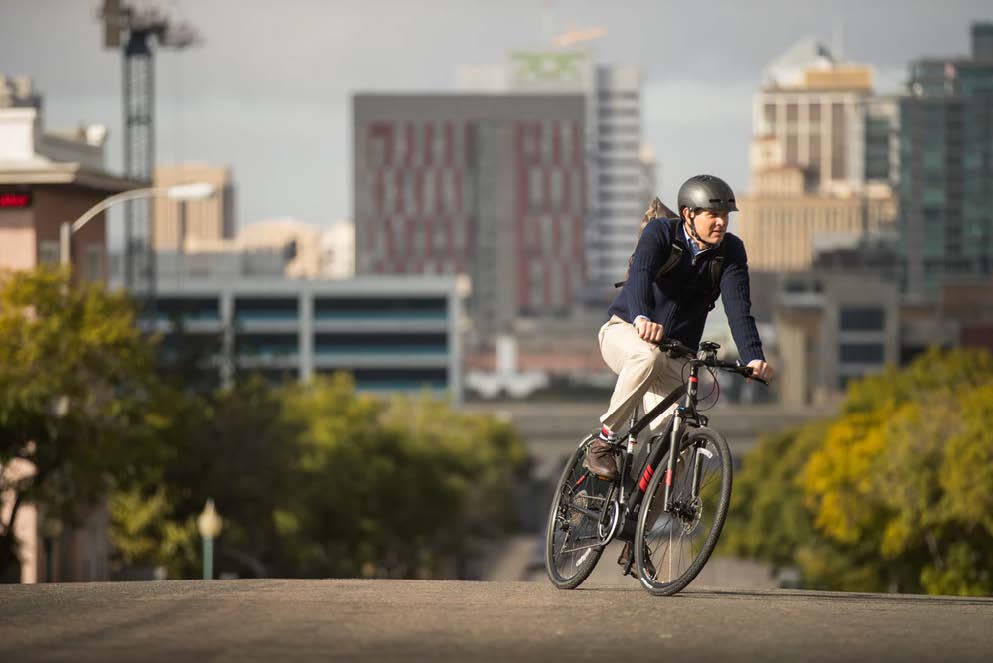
(209, 524)
(184, 192)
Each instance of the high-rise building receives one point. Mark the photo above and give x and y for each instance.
(177, 222)
(946, 189)
(815, 107)
(824, 160)
(491, 186)
(621, 173)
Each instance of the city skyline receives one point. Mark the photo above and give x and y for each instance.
(266, 79)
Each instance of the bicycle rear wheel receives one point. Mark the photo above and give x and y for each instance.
(671, 547)
(572, 534)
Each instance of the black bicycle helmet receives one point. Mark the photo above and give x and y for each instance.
(706, 192)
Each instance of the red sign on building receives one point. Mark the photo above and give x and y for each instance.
(14, 200)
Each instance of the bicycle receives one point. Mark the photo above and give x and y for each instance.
(686, 504)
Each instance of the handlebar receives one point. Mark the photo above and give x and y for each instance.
(675, 349)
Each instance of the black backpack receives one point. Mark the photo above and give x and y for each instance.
(676, 254)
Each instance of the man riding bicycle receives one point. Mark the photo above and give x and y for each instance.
(679, 269)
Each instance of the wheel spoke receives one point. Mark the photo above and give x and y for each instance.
(676, 539)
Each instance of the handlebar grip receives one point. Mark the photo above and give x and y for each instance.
(747, 372)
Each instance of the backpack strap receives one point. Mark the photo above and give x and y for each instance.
(675, 255)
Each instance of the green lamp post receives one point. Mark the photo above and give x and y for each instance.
(209, 523)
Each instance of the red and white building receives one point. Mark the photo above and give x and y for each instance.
(489, 186)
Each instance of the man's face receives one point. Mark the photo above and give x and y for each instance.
(710, 225)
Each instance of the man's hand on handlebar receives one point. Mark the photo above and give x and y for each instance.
(648, 330)
(761, 370)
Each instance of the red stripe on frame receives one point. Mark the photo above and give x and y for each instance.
(645, 478)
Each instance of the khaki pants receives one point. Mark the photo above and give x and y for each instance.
(645, 375)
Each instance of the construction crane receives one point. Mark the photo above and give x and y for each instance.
(134, 27)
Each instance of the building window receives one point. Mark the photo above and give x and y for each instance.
(429, 199)
(557, 186)
(536, 188)
(448, 190)
(839, 142)
(862, 353)
(614, 146)
(863, 319)
(547, 136)
(264, 309)
(770, 117)
(408, 193)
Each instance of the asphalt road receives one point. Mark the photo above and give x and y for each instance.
(366, 620)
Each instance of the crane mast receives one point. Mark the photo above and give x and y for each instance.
(133, 28)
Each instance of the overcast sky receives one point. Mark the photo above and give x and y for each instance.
(269, 91)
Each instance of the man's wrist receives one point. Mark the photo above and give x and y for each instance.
(640, 317)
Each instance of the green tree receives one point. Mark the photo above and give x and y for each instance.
(233, 445)
(404, 488)
(75, 375)
(895, 493)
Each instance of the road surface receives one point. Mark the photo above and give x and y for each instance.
(378, 620)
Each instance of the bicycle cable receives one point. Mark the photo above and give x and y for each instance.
(717, 386)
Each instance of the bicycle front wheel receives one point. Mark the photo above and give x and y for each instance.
(572, 538)
(671, 547)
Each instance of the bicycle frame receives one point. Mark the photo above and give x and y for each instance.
(686, 414)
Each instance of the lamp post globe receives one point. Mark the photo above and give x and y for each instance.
(209, 524)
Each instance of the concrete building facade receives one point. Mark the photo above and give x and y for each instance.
(47, 178)
(783, 222)
(824, 160)
(177, 222)
(393, 334)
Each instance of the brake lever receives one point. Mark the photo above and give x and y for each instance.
(749, 375)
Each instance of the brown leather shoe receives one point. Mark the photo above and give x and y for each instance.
(601, 459)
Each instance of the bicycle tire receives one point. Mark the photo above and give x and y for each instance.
(586, 560)
(714, 442)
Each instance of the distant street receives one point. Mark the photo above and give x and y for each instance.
(280, 620)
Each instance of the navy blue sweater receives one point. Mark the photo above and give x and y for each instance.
(681, 300)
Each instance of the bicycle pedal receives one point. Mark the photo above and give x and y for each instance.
(627, 568)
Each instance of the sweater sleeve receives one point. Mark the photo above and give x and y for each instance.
(738, 306)
(652, 249)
